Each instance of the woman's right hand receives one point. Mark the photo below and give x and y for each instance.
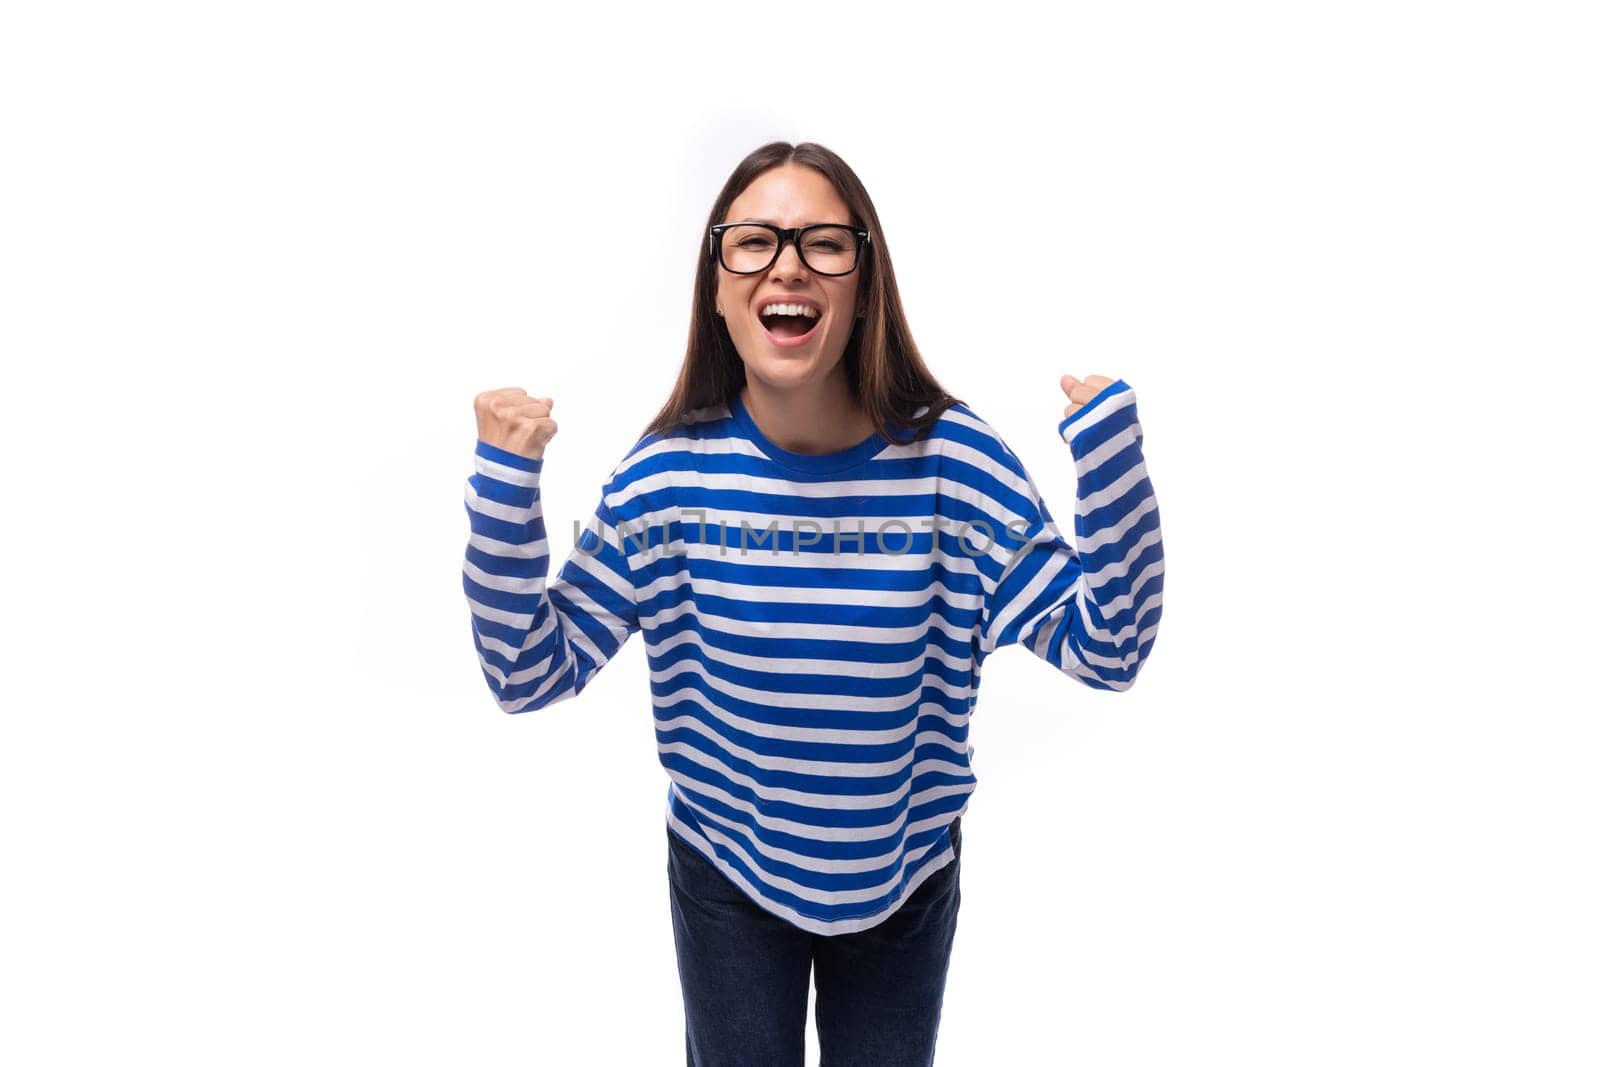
(513, 420)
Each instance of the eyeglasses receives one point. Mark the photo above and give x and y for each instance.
(752, 247)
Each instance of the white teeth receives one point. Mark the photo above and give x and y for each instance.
(790, 309)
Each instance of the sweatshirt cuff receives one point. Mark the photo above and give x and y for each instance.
(508, 459)
(1092, 412)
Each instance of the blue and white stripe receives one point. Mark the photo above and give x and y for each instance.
(812, 693)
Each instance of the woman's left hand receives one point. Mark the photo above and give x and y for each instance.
(1080, 393)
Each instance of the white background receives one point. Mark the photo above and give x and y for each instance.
(256, 259)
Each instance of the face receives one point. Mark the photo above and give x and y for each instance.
(789, 195)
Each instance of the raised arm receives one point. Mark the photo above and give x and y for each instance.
(538, 644)
(1092, 610)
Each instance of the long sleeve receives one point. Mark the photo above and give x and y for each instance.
(1092, 610)
(539, 644)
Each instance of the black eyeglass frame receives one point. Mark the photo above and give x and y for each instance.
(793, 233)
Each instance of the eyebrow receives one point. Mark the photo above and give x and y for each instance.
(774, 222)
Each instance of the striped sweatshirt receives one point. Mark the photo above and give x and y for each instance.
(815, 625)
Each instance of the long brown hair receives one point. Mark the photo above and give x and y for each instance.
(885, 370)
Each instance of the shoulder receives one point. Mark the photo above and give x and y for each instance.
(654, 455)
(970, 439)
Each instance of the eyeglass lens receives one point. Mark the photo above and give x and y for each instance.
(826, 249)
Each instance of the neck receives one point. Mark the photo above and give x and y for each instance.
(812, 419)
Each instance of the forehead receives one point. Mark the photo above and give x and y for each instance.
(789, 195)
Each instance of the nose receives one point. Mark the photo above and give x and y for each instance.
(788, 263)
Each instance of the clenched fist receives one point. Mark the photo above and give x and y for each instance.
(513, 420)
(1080, 393)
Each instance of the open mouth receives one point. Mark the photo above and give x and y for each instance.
(789, 330)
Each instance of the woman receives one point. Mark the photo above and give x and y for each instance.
(821, 547)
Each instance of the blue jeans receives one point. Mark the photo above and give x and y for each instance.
(746, 973)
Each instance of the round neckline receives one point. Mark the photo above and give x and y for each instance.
(853, 456)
